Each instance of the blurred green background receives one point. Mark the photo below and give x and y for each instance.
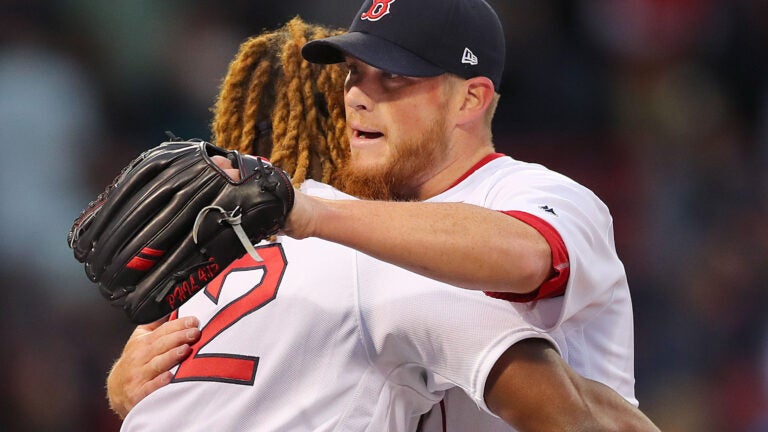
(659, 106)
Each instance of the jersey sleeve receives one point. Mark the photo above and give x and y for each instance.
(585, 226)
(558, 207)
(555, 285)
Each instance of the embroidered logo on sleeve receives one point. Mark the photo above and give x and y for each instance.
(548, 209)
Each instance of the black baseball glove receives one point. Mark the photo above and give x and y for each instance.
(172, 220)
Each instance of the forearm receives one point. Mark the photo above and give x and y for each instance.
(461, 244)
(611, 412)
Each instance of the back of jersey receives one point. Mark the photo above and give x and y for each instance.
(279, 349)
(318, 337)
(282, 350)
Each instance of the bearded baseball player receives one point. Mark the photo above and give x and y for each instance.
(420, 95)
(384, 343)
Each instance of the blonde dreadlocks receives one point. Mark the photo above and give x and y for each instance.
(269, 87)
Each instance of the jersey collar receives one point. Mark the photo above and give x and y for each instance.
(482, 162)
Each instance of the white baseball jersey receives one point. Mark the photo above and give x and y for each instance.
(382, 343)
(593, 321)
(319, 337)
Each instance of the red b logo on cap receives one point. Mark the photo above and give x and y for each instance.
(378, 9)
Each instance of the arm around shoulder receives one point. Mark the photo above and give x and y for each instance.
(532, 388)
(460, 244)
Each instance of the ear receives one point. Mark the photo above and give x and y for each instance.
(478, 96)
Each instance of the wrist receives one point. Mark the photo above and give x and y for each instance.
(302, 220)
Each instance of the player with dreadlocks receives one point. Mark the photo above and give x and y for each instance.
(274, 103)
(271, 103)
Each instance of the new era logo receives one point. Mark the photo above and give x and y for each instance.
(469, 57)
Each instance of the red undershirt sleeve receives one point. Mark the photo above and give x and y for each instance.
(555, 285)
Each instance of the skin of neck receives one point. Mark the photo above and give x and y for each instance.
(469, 142)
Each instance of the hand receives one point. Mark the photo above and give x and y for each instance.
(144, 366)
(226, 165)
(302, 218)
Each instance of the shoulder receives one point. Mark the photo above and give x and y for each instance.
(509, 184)
(509, 172)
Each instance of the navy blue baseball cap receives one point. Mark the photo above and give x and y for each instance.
(420, 38)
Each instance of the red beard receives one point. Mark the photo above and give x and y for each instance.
(400, 177)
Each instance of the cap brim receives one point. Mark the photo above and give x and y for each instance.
(377, 52)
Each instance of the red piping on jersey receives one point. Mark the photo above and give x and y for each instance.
(561, 270)
(476, 167)
(442, 412)
(420, 426)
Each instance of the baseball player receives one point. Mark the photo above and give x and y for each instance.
(397, 51)
(382, 331)
(546, 243)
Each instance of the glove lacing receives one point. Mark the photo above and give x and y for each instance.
(234, 219)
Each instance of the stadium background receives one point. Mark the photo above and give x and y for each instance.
(659, 106)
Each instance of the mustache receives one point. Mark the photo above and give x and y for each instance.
(408, 165)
